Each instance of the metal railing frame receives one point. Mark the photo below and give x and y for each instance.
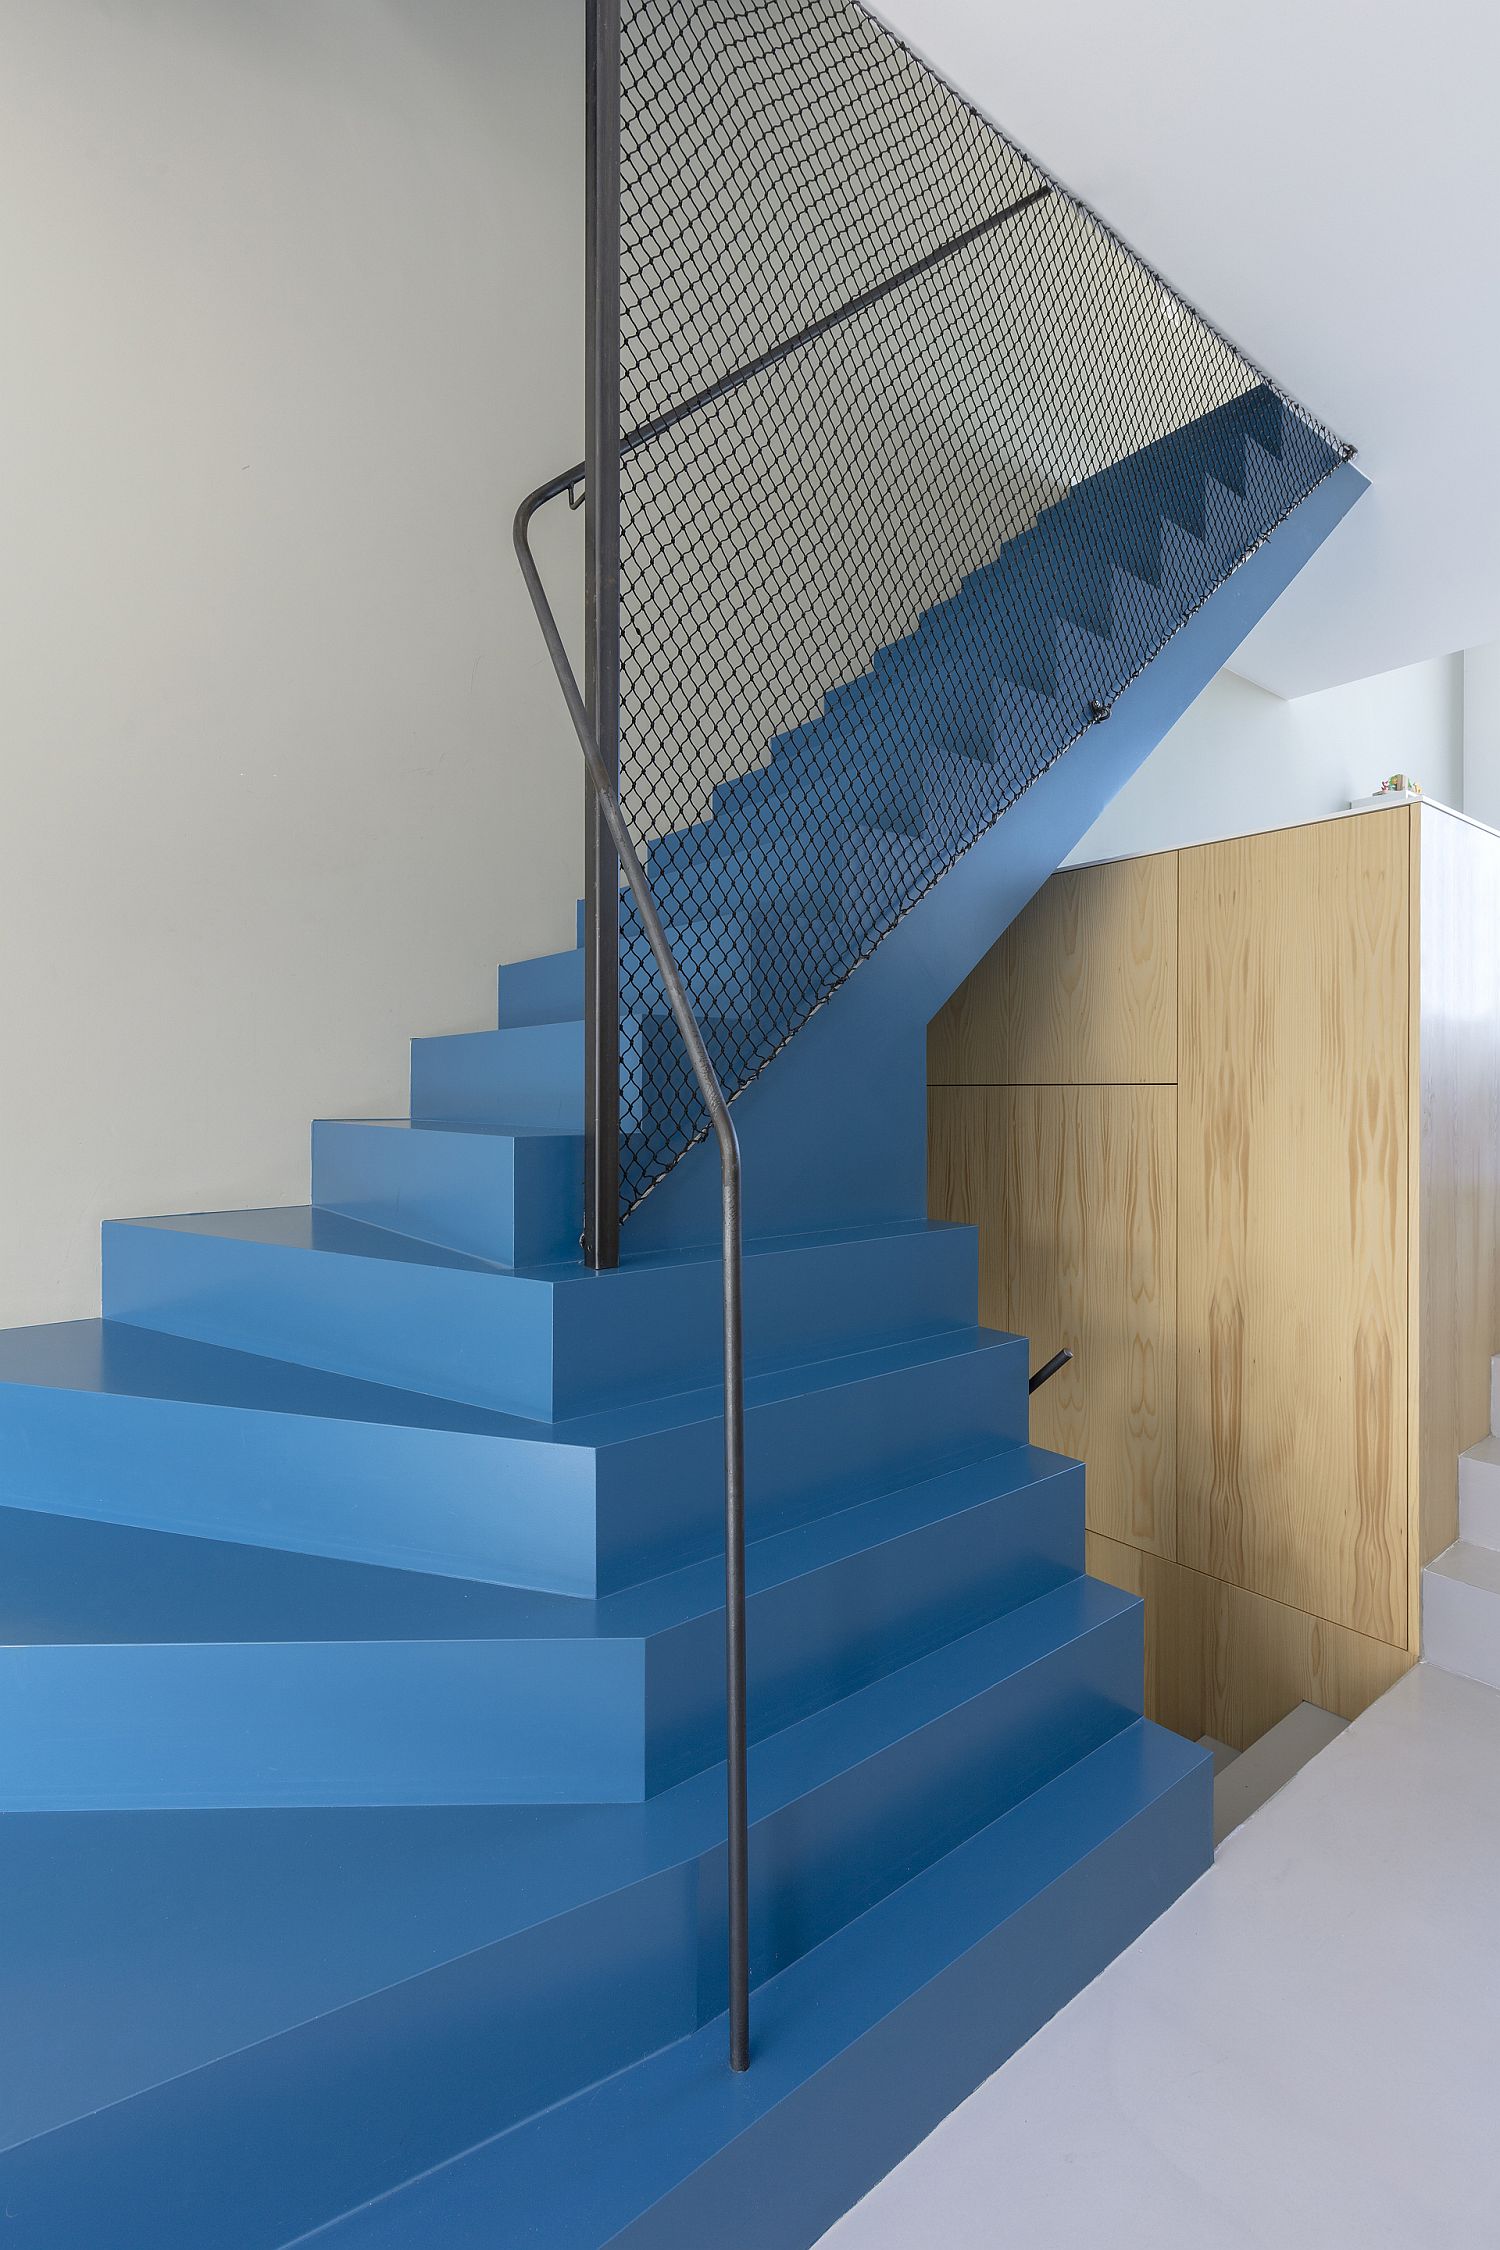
(610, 854)
(610, 851)
(601, 466)
(605, 800)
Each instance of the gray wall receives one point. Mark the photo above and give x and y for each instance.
(290, 321)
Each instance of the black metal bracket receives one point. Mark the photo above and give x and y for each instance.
(1054, 1366)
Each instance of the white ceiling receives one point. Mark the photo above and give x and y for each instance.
(1323, 179)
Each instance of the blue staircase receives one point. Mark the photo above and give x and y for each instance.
(855, 814)
(363, 1877)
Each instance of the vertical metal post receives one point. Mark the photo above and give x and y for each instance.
(737, 1732)
(601, 1196)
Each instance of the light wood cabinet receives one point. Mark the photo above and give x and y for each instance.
(1074, 1191)
(1228, 1121)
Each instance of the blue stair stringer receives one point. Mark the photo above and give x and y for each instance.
(855, 814)
(361, 1672)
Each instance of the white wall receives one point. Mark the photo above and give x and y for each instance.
(1482, 734)
(1258, 174)
(1242, 760)
(290, 301)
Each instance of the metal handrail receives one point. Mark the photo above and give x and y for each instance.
(709, 1085)
(714, 1101)
(632, 440)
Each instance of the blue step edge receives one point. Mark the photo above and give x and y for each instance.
(145, 1669)
(860, 2048)
(607, 1941)
(109, 1421)
(546, 1341)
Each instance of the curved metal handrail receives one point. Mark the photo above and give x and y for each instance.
(709, 1084)
(736, 1752)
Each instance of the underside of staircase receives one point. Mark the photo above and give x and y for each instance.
(363, 1868)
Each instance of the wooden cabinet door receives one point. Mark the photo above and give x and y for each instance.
(1073, 1191)
(1292, 1217)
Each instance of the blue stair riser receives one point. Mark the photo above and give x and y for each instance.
(924, 2058)
(881, 770)
(838, 878)
(660, 1502)
(652, 1055)
(527, 1719)
(543, 1346)
(934, 1787)
(332, 1723)
(530, 1719)
(728, 956)
(832, 1630)
(453, 1501)
(1123, 511)
(897, 2053)
(940, 678)
(621, 1500)
(487, 1079)
(853, 1041)
(1063, 568)
(938, 697)
(932, 732)
(530, 1076)
(417, 2074)
(514, 1199)
(1004, 617)
(1271, 490)
(248, 2152)
(914, 788)
(547, 990)
(909, 788)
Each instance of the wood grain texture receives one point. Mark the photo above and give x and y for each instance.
(1081, 989)
(1074, 1193)
(1293, 1207)
(1229, 1663)
(1458, 1316)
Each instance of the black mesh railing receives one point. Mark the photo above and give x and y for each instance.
(920, 467)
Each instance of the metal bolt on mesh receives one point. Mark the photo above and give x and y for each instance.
(920, 467)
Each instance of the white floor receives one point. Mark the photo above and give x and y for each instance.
(1304, 2054)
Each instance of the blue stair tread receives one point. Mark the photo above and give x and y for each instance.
(117, 1359)
(503, 1187)
(303, 1226)
(74, 1581)
(840, 1734)
(575, 2177)
(545, 1341)
(496, 1128)
(70, 1581)
(101, 1909)
(137, 1946)
(306, 1227)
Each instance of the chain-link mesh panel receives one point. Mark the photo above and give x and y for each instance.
(874, 586)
